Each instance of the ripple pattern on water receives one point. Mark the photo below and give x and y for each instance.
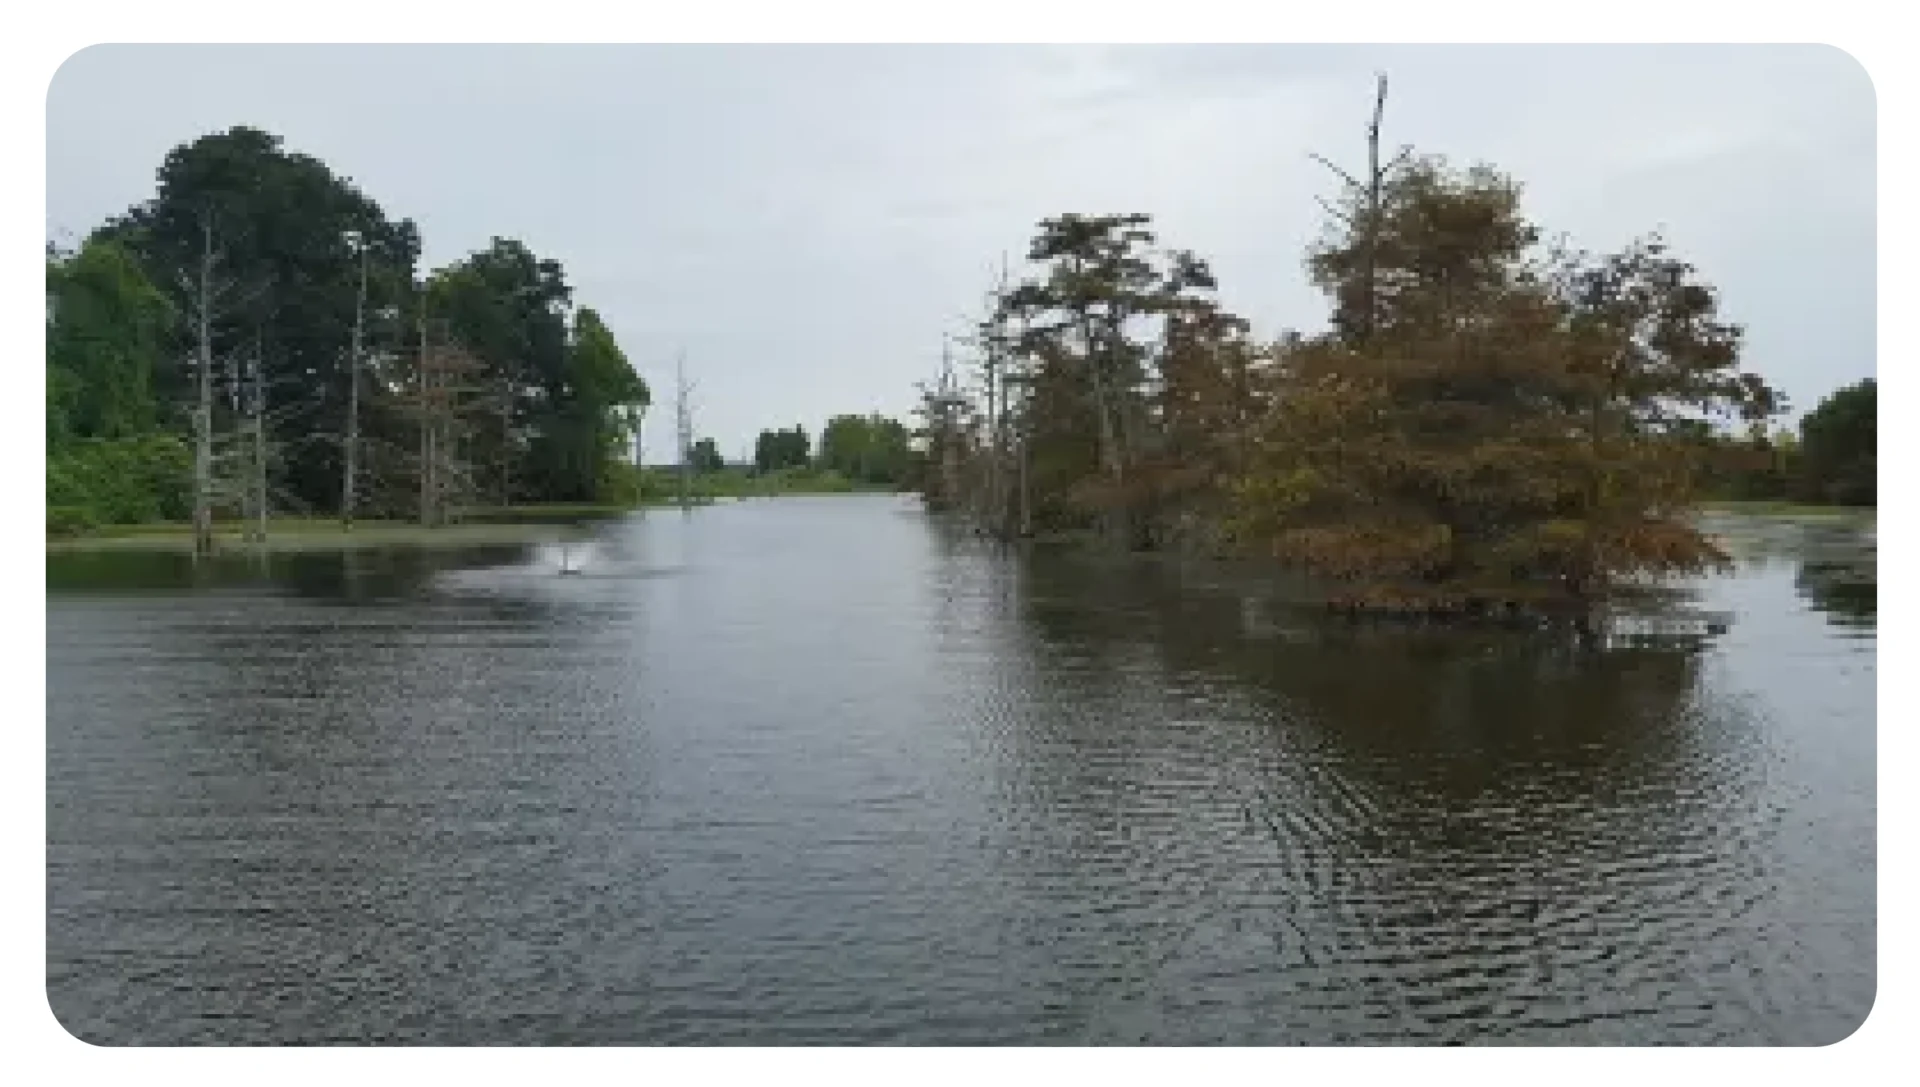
(813, 771)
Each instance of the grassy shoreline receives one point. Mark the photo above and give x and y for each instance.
(477, 528)
(1772, 508)
(517, 524)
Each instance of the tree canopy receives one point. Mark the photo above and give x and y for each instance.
(1839, 447)
(1487, 422)
(777, 449)
(528, 398)
(867, 449)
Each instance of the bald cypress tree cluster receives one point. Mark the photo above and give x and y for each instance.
(1487, 424)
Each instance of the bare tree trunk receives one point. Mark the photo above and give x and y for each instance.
(425, 380)
(1103, 405)
(1374, 177)
(203, 408)
(992, 504)
(1109, 439)
(1370, 194)
(949, 430)
(1026, 496)
(256, 425)
(995, 346)
(683, 411)
(506, 443)
(350, 480)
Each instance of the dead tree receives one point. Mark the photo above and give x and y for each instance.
(429, 514)
(504, 393)
(208, 295)
(949, 425)
(203, 305)
(683, 417)
(350, 479)
(448, 393)
(255, 486)
(1370, 195)
(993, 345)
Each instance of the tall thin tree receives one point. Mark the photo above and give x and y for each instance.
(203, 406)
(429, 491)
(256, 482)
(683, 435)
(350, 480)
(1369, 194)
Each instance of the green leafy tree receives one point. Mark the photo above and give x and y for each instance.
(867, 449)
(778, 449)
(509, 308)
(1088, 324)
(107, 327)
(1839, 446)
(282, 224)
(704, 457)
(123, 481)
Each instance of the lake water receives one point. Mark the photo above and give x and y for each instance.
(822, 770)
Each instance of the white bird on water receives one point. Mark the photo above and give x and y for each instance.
(567, 564)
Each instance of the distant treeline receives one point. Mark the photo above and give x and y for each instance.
(1829, 460)
(1487, 424)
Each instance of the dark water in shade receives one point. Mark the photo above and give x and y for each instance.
(819, 771)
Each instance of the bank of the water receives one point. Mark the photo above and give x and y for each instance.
(509, 525)
(501, 525)
(317, 538)
(1789, 509)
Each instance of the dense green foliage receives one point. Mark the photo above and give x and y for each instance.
(777, 449)
(1830, 461)
(871, 450)
(704, 456)
(94, 481)
(528, 399)
(107, 327)
(286, 282)
(108, 458)
(1838, 448)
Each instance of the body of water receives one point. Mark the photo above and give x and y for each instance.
(822, 770)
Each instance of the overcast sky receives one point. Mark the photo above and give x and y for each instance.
(804, 222)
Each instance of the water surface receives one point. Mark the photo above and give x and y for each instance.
(820, 770)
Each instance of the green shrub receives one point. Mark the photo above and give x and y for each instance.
(123, 482)
(70, 521)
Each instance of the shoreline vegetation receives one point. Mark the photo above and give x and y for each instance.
(1490, 423)
(1493, 424)
(515, 524)
(257, 351)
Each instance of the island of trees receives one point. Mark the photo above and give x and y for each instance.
(1488, 424)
